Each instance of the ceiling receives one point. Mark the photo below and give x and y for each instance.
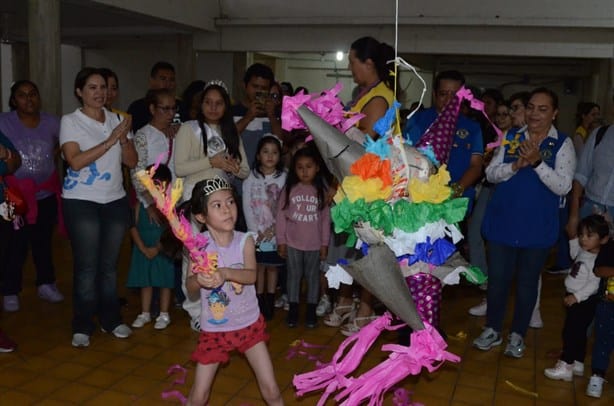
(87, 23)
(556, 28)
(552, 36)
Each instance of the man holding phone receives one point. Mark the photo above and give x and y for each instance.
(255, 115)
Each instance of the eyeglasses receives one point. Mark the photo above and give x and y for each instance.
(516, 107)
(167, 109)
(445, 93)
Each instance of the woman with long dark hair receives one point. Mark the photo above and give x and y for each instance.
(204, 148)
(210, 145)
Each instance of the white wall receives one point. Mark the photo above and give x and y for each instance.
(70, 66)
(214, 65)
(132, 65)
(318, 74)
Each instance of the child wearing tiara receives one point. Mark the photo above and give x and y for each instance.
(230, 319)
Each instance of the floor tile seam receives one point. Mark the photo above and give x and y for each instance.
(50, 395)
(237, 393)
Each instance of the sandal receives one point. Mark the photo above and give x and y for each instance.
(355, 325)
(340, 315)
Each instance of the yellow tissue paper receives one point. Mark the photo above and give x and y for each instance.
(435, 190)
(354, 188)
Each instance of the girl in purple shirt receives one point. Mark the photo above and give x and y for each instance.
(230, 319)
(35, 135)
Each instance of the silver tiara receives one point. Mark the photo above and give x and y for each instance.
(274, 136)
(214, 184)
(215, 82)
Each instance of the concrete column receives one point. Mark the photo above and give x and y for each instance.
(609, 110)
(44, 51)
(240, 61)
(185, 61)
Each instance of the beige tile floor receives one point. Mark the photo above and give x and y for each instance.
(47, 370)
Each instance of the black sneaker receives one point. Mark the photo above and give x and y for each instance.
(292, 319)
(311, 318)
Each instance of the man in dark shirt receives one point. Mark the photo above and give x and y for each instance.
(162, 76)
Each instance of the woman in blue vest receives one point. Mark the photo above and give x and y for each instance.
(533, 167)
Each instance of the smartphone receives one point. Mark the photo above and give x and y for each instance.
(261, 97)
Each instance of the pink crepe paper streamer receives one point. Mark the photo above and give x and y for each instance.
(331, 376)
(178, 369)
(427, 350)
(290, 120)
(180, 380)
(179, 225)
(174, 394)
(296, 349)
(479, 105)
(327, 106)
(402, 397)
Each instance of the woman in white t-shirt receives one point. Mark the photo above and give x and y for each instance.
(95, 143)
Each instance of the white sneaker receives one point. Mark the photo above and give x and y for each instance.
(595, 386)
(578, 368)
(141, 320)
(515, 346)
(562, 371)
(536, 319)
(121, 331)
(162, 321)
(281, 301)
(488, 339)
(80, 340)
(324, 306)
(50, 293)
(479, 310)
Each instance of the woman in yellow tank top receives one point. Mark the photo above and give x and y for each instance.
(368, 61)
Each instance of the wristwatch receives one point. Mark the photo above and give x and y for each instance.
(536, 163)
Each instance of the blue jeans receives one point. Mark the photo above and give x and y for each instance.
(37, 238)
(604, 337)
(96, 232)
(506, 263)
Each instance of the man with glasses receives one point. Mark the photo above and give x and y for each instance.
(162, 76)
(465, 161)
